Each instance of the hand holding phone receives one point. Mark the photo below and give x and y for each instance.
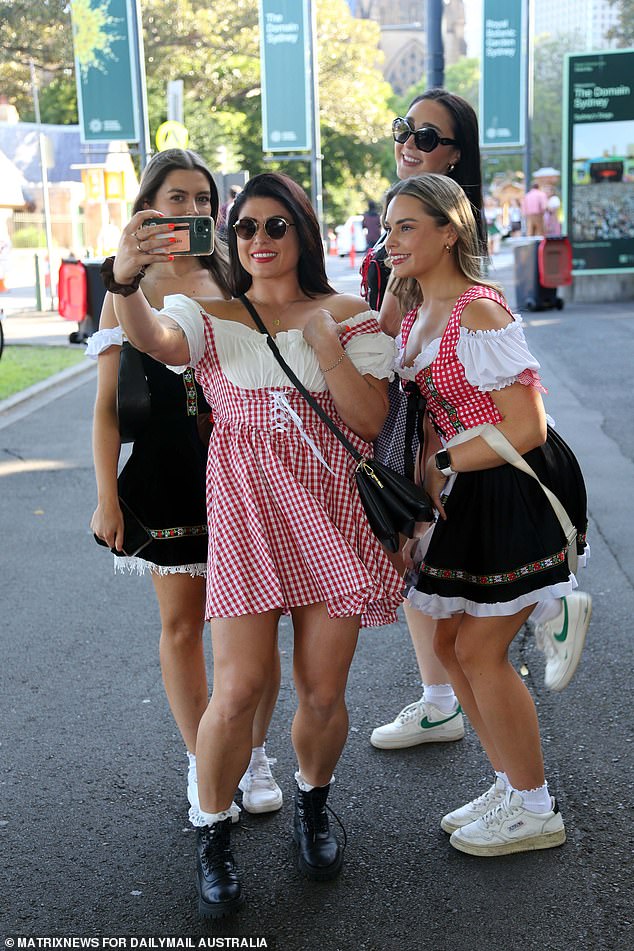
(192, 236)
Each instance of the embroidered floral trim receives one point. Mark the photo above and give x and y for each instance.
(451, 411)
(183, 531)
(190, 392)
(505, 577)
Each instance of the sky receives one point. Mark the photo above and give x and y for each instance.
(473, 26)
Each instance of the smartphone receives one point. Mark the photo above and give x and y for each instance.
(194, 236)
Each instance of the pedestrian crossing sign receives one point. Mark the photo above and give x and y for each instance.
(171, 135)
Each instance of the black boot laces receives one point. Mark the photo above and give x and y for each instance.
(216, 851)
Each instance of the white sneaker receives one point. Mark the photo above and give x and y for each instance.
(192, 794)
(419, 722)
(260, 792)
(562, 639)
(509, 827)
(474, 809)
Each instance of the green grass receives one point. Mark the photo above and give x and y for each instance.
(22, 366)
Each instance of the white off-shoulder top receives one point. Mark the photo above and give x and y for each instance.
(492, 359)
(247, 362)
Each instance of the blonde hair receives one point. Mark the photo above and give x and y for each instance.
(445, 202)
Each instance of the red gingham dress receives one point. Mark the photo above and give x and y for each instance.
(284, 531)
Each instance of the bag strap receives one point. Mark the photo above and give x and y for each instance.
(312, 402)
(500, 444)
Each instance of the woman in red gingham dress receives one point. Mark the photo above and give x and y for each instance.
(497, 547)
(287, 532)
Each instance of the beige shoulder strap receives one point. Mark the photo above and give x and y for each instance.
(500, 444)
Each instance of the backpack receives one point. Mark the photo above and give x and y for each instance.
(374, 274)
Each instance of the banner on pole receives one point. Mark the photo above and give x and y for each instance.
(285, 59)
(503, 81)
(105, 69)
(598, 163)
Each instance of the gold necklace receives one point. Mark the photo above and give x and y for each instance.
(277, 321)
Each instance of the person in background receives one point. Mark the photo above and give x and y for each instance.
(371, 224)
(163, 481)
(287, 529)
(534, 205)
(515, 217)
(499, 546)
(225, 208)
(552, 223)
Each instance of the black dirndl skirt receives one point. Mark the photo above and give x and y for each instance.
(502, 547)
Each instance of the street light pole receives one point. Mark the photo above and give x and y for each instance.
(315, 137)
(45, 200)
(435, 48)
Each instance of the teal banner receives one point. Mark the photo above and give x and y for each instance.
(599, 160)
(106, 70)
(503, 80)
(285, 58)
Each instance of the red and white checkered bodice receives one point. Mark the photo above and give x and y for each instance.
(453, 404)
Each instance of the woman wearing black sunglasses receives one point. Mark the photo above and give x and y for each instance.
(438, 134)
(287, 532)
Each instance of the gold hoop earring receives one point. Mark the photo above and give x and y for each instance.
(448, 248)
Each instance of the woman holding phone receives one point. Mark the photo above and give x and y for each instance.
(163, 481)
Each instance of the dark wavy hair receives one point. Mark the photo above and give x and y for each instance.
(155, 173)
(467, 172)
(311, 267)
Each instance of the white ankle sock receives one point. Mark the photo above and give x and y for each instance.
(546, 610)
(441, 695)
(198, 817)
(536, 800)
(258, 753)
(504, 778)
(306, 787)
(192, 758)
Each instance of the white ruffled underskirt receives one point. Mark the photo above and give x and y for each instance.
(438, 607)
(140, 567)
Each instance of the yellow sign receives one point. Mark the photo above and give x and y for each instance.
(171, 135)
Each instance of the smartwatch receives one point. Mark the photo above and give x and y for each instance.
(443, 463)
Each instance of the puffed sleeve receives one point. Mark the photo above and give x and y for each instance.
(188, 315)
(493, 359)
(102, 340)
(371, 351)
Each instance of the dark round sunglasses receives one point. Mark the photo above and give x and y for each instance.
(425, 139)
(275, 226)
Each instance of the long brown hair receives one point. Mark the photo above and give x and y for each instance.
(155, 173)
(443, 200)
(311, 267)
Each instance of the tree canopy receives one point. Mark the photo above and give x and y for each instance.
(214, 49)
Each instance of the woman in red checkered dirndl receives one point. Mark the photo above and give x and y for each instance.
(501, 543)
(287, 531)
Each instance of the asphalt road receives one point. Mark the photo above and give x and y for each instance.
(93, 814)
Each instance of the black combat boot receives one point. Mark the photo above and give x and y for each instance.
(320, 857)
(219, 888)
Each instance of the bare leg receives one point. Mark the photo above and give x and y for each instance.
(244, 651)
(266, 706)
(324, 648)
(500, 708)
(181, 601)
(422, 629)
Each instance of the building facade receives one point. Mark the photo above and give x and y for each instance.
(404, 36)
(590, 20)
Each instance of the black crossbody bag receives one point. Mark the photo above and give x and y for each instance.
(392, 503)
